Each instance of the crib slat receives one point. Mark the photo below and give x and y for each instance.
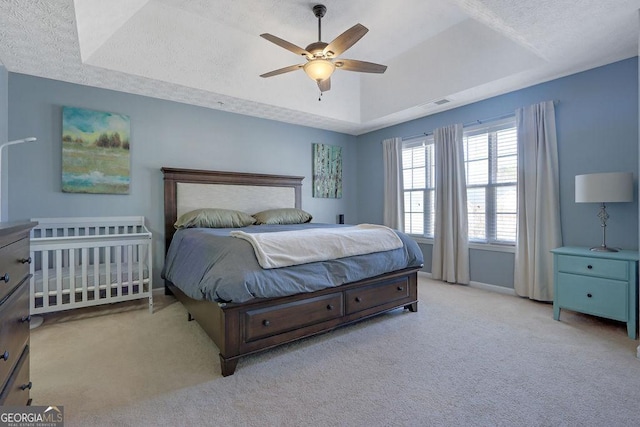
(72, 277)
(45, 279)
(140, 269)
(107, 273)
(84, 261)
(58, 272)
(119, 268)
(130, 268)
(96, 273)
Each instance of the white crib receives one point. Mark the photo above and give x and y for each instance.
(81, 262)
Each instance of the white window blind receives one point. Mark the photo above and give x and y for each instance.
(490, 156)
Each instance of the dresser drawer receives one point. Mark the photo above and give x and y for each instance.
(14, 329)
(609, 268)
(373, 296)
(591, 295)
(17, 388)
(260, 323)
(13, 265)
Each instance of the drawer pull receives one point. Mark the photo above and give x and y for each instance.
(26, 386)
(358, 299)
(25, 260)
(330, 307)
(5, 356)
(25, 319)
(265, 322)
(589, 266)
(400, 288)
(589, 295)
(5, 278)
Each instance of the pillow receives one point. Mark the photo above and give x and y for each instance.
(283, 216)
(214, 218)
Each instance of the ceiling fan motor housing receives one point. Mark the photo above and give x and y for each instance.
(316, 49)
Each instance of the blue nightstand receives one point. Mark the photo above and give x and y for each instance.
(603, 284)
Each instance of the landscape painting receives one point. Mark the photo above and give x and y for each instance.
(95, 152)
(327, 171)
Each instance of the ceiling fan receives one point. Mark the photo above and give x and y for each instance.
(322, 57)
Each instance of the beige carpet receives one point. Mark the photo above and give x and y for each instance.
(468, 357)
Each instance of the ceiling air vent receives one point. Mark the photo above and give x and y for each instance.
(441, 101)
(434, 104)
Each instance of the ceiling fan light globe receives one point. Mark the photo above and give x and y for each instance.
(319, 69)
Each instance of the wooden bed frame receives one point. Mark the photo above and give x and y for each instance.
(242, 329)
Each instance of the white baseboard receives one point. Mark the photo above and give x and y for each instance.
(480, 285)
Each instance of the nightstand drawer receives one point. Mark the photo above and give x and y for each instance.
(591, 295)
(597, 267)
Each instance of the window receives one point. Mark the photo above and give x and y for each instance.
(490, 158)
(418, 170)
(491, 166)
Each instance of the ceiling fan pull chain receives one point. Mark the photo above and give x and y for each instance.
(320, 97)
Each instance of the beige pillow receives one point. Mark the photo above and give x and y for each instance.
(214, 218)
(283, 216)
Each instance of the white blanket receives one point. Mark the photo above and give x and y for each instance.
(287, 248)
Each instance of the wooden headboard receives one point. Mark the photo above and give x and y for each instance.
(188, 189)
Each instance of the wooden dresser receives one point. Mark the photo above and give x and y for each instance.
(14, 313)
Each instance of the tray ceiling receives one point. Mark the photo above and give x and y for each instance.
(209, 53)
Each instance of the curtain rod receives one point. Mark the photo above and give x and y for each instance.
(476, 122)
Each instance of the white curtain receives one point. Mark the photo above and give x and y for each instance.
(393, 194)
(538, 201)
(450, 259)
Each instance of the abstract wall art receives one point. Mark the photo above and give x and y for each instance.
(327, 171)
(95, 152)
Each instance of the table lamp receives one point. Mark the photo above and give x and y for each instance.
(613, 187)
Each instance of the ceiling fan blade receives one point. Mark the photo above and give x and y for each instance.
(345, 40)
(285, 44)
(325, 85)
(282, 70)
(360, 66)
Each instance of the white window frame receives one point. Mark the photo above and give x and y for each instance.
(491, 243)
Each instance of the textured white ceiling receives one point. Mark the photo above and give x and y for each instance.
(209, 53)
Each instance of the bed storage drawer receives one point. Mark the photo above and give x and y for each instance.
(376, 295)
(264, 322)
(14, 265)
(14, 330)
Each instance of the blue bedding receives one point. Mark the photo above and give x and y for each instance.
(208, 264)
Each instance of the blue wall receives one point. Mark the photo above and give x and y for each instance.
(163, 133)
(597, 121)
(597, 126)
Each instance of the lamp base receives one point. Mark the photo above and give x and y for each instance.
(604, 249)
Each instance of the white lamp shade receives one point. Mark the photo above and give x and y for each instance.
(604, 187)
